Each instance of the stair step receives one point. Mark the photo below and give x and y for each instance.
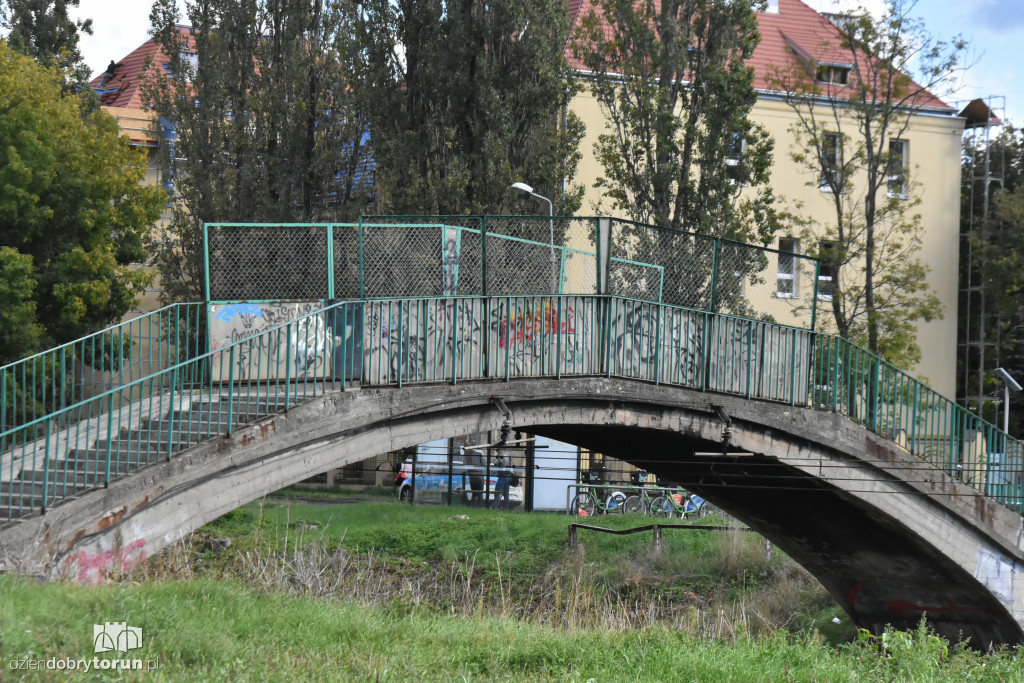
(195, 422)
(212, 417)
(81, 478)
(20, 505)
(22, 489)
(219, 413)
(147, 444)
(145, 438)
(93, 460)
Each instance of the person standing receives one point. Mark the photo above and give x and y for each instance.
(475, 468)
(501, 487)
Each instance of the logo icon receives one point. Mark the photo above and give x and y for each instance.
(116, 636)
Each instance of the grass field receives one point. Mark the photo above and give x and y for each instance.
(382, 591)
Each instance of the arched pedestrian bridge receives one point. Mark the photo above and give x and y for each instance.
(897, 500)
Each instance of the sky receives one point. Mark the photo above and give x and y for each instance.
(994, 29)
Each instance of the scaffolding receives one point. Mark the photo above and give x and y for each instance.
(983, 170)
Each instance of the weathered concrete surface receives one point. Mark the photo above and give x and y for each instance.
(890, 536)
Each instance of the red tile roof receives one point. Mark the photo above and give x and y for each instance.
(122, 88)
(796, 29)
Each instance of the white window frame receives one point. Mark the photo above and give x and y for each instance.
(737, 150)
(834, 74)
(896, 182)
(785, 279)
(837, 159)
(190, 58)
(829, 277)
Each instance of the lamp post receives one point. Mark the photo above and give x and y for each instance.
(1009, 384)
(523, 187)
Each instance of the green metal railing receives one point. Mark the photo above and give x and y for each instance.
(455, 339)
(49, 381)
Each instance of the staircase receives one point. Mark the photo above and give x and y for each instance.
(40, 482)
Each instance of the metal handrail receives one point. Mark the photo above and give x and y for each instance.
(449, 339)
(40, 381)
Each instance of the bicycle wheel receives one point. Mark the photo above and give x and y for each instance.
(662, 506)
(583, 505)
(633, 506)
(615, 503)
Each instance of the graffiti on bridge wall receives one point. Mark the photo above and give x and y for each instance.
(690, 348)
(534, 334)
(315, 345)
(95, 568)
(430, 340)
(669, 349)
(436, 339)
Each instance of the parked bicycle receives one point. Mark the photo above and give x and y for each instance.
(639, 503)
(680, 503)
(587, 503)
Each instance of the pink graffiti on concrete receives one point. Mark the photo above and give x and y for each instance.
(95, 568)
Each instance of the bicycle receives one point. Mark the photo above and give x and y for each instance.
(587, 504)
(681, 503)
(636, 504)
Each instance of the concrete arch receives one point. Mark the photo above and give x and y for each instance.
(890, 536)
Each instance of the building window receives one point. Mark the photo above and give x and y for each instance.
(785, 283)
(896, 170)
(734, 160)
(831, 162)
(190, 59)
(833, 74)
(828, 268)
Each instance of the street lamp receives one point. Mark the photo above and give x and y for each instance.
(1009, 384)
(523, 187)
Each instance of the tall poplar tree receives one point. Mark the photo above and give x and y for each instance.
(263, 121)
(464, 98)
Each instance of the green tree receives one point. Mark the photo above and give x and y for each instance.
(680, 151)
(43, 30)
(19, 330)
(263, 122)
(849, 136)
(73, 216)
(465, 98)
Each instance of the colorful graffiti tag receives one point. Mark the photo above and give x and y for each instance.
(319, 343)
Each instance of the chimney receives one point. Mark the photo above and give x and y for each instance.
(773, 7)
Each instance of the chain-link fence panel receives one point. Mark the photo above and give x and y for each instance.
(458, 257)
(579, 266)
(653, 264)
(403, 260)
(463, 261)
(517, 267)
(346, 261)
(532, 256)
(252, 262)
(512, 256)
(741, 279)
(579, 272)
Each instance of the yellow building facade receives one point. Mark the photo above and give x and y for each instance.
(932, 148)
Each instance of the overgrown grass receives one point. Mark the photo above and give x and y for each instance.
(219, 630)
(476, 562)
(382, 493)
(384, 591)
